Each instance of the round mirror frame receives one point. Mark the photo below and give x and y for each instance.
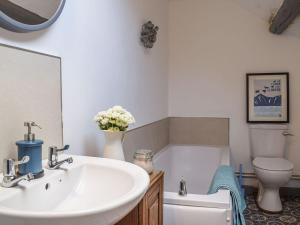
(13, 25)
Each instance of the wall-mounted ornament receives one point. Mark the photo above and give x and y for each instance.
(148, 34)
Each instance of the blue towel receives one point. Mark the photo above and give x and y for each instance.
(225, 178)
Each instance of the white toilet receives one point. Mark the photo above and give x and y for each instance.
(268, 146)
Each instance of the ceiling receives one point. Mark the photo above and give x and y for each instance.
(264, 9)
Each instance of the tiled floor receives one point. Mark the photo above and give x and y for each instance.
(290, 214)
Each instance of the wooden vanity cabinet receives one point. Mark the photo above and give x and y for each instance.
(150, 210)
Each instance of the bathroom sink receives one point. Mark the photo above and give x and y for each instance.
(90, 191)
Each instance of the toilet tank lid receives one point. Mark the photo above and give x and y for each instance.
(275, 164)
(269, 126)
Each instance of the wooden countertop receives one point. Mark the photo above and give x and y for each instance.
(154, 176)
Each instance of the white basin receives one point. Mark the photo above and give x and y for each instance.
(90, 191)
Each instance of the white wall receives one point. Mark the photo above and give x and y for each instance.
(104, 64)
(213, 44)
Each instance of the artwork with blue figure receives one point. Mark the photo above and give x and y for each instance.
(268, 98)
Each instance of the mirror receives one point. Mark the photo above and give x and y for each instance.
(29, 15)
(30, 90)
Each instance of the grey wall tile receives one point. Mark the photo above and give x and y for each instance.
(199, 131)
(177, 130)
(154, 136)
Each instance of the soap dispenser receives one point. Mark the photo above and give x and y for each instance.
(32, 148)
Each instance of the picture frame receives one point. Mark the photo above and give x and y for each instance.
(267, 97)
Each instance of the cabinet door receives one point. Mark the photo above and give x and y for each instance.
(131, 219)
(154, 213)
(152, 207)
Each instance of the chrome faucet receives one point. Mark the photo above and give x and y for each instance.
(53, 162)
(182, 188)
(10, 178)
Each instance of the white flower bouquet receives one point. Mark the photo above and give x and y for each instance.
(114, 119)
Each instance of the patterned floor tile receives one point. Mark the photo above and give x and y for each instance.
(289, 216)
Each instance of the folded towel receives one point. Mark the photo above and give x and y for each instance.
(225, 178)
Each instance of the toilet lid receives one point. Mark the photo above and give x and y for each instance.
(277, 164)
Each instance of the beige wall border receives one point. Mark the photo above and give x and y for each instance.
(177, 130)
(199, 131)
(153, 136)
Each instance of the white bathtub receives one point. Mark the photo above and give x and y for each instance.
(196, 165)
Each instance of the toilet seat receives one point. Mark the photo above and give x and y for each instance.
(273, 164)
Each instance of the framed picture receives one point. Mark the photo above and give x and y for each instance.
(268, 97)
